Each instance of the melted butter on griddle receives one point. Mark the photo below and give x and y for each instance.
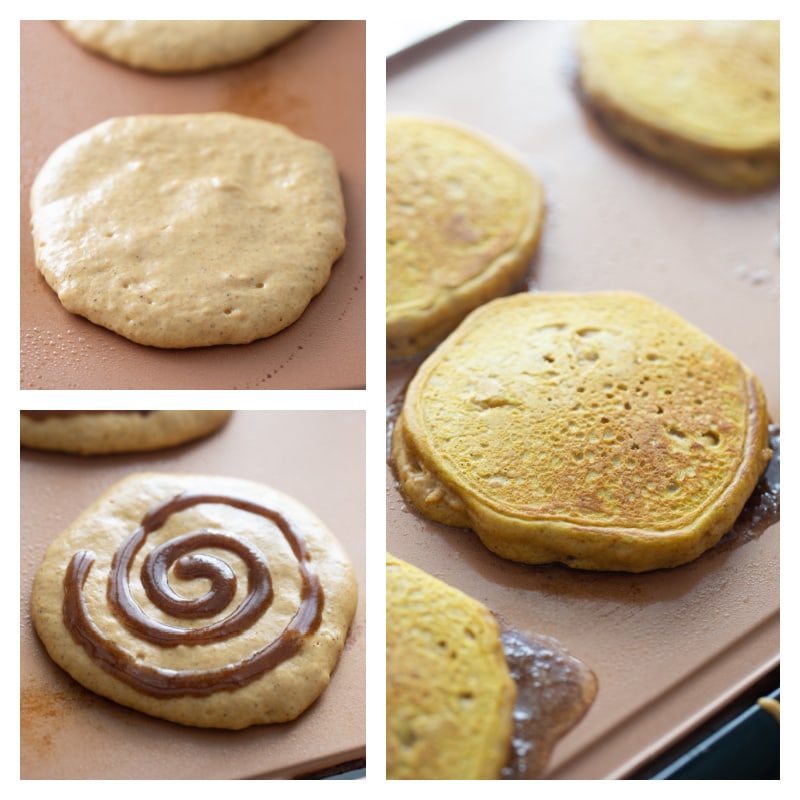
(763, 509)
(554, 692)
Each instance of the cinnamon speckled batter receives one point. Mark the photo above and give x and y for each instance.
(180, 45)
(240, 622)
(188, 230)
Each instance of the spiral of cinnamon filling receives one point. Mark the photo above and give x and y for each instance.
(180, 555)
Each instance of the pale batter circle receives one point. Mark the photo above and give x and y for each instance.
(104, 432)
(188, 230)
(209, 601)
(180, 45)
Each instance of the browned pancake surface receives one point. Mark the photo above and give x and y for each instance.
(600, 430)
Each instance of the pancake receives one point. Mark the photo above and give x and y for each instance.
(600, 430)
(449, 693)
(701, 95)
(180, 45)
(103, 432)
(463, 220)
(188, 230)
(205, 600)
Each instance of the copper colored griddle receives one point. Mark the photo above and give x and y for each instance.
(315, 85)
(671, 647)
(66, 732)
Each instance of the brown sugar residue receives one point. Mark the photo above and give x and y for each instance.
(44, 710)
(554, 692)
(764, 506)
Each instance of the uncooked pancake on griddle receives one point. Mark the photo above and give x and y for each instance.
(210, 601)
(188, 230)
(102, 432)
(180, 45)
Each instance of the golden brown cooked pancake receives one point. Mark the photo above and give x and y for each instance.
(449, 693)
(462, 223)
(703, 95)
(598, 430)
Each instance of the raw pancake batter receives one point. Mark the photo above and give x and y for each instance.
(102, 432)
(182, 45)
(210, 601)
(188, 230)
